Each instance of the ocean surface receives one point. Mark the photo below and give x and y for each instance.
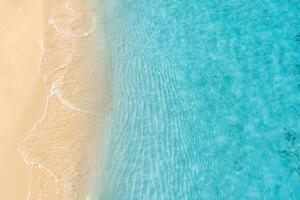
(205, 100)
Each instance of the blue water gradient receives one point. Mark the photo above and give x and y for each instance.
(205, 100)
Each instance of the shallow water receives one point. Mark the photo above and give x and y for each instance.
(205, 100)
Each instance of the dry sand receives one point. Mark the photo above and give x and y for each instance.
(20, 88)
(59, 116)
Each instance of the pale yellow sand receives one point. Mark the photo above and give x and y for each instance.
(20, 88)
(59, 134)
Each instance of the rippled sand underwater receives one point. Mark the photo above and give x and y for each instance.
(152, 100)
(205, 100)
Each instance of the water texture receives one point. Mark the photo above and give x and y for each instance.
(205, 100)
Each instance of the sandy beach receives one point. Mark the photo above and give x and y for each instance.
(50, 111)
(21, 88)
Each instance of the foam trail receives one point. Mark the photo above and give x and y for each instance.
(43, 142)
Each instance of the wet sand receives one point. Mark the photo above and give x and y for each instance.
(52, 110)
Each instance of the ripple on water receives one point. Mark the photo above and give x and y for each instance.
(202, 91)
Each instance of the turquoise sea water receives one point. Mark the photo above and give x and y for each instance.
(205, 100)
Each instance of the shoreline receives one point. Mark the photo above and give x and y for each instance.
(77, 127)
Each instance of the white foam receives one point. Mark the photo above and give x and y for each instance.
(74, 17)
(54, 89)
